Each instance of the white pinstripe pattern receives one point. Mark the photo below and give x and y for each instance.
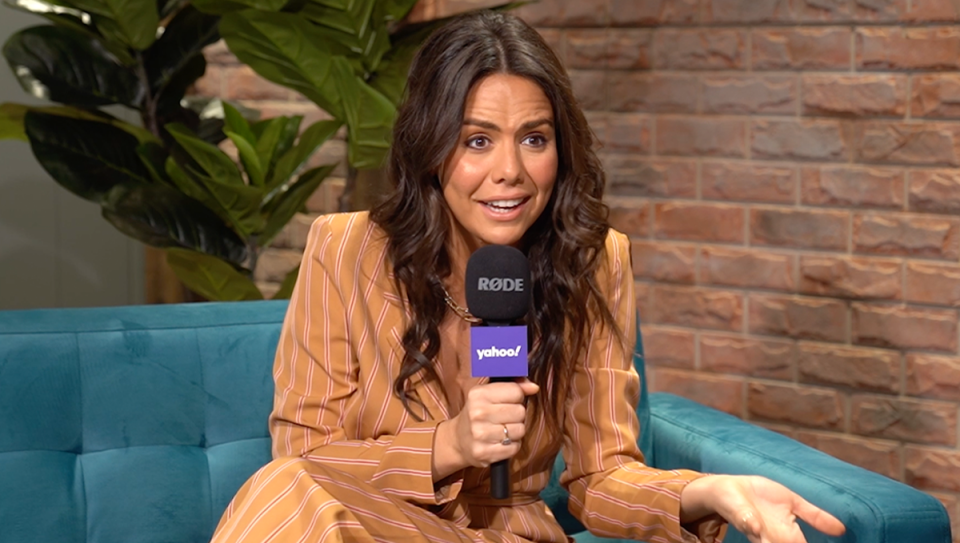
(352, 465)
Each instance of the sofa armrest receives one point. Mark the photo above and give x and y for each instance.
(874, 508)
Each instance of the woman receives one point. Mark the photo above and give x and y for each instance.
(380, 433)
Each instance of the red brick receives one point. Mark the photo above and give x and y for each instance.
(816, 11)
(294, 234)
(700, 49)
(331, 152)
(644, 295)
(862, 369)
(801, 48)
(219, 54)
(586, 48)
(799, 140)
(904, 327)
(668, 347)
(546, 13)
(930, 11)
(697, 221)
(745, 268)
(936, 96)
(929, 468)
(590, 88)
(782, 429)
(576, 13)
(692, 136)
(733, 93)
(922, 144)
(855, 95)
(802, 406)
(653, 12)
(242, 83)
(638, 176)
(746, 11)
(771, 359)
(788, 227)
(908, 48)
(697, 307)
(935, 191)
(653, 92)
(669, 263)
(798, 317)
(850, 277)
(630, 216)
(629, 49)
(748, 182)
(326, 199)
(554, 38)
(933, 284)
(852, 187)
(625, 133)
(880, 10)
(274, 264)
(876, 455)
(933, 376)
(721, 393)
(210, 83)
(917, 421)
(909, 235)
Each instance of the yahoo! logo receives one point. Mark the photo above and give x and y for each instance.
(498, 284)
(494, 352)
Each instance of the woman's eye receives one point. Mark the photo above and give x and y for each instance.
(478, 142)
(536, 140)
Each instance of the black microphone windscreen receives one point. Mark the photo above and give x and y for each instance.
(498, 283)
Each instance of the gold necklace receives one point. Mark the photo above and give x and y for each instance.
(461, 312)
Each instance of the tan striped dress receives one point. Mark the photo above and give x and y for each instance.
(351, 464)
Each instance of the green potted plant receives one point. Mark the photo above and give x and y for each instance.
(164, 181)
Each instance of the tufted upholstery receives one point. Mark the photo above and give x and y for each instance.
(138, 424)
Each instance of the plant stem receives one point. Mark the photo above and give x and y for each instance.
(253, 250)
(148, 112)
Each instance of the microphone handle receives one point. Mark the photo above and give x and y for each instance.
(500, 470)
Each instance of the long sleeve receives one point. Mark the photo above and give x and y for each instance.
(318, 385)
(612, 491)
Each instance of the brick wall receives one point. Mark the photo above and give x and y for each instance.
(787, 170)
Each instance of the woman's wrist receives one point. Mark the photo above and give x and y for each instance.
(698, 498)
(447, 460)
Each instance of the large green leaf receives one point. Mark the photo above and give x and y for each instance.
(235, 122)
(274, 138)
(312, 138)
(69, 66)
(222, 7)
(286, 288)
(194, 188)
(355, 27)
(370, 117)
(282, 48)
(183, 39)
(395, 10)
(154, 157)
(164, 217)
(171, 95)
(211, 277)
(11, 121)
(222, 180)
(131, 22)
(249, 158)
(88, 158)
(287, 201)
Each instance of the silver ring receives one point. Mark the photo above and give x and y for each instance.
(506, 436)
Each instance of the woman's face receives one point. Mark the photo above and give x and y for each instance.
(500, 175)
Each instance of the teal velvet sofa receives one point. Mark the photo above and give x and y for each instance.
(138, 424)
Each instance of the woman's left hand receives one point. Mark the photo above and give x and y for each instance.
(766, 511)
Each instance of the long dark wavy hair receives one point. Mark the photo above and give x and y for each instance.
(564, 245)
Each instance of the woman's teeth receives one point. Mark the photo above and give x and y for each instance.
(503, 206)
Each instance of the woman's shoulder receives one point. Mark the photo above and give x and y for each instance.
(617, 250)
(346, 237)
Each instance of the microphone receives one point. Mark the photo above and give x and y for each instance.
(498, 292)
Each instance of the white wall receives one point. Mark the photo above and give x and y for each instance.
(55, 248)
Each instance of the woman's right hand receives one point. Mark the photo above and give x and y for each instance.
(476, 433)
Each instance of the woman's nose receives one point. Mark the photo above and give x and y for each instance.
(509, 165)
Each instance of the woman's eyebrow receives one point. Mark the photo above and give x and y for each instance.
(529, 125)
